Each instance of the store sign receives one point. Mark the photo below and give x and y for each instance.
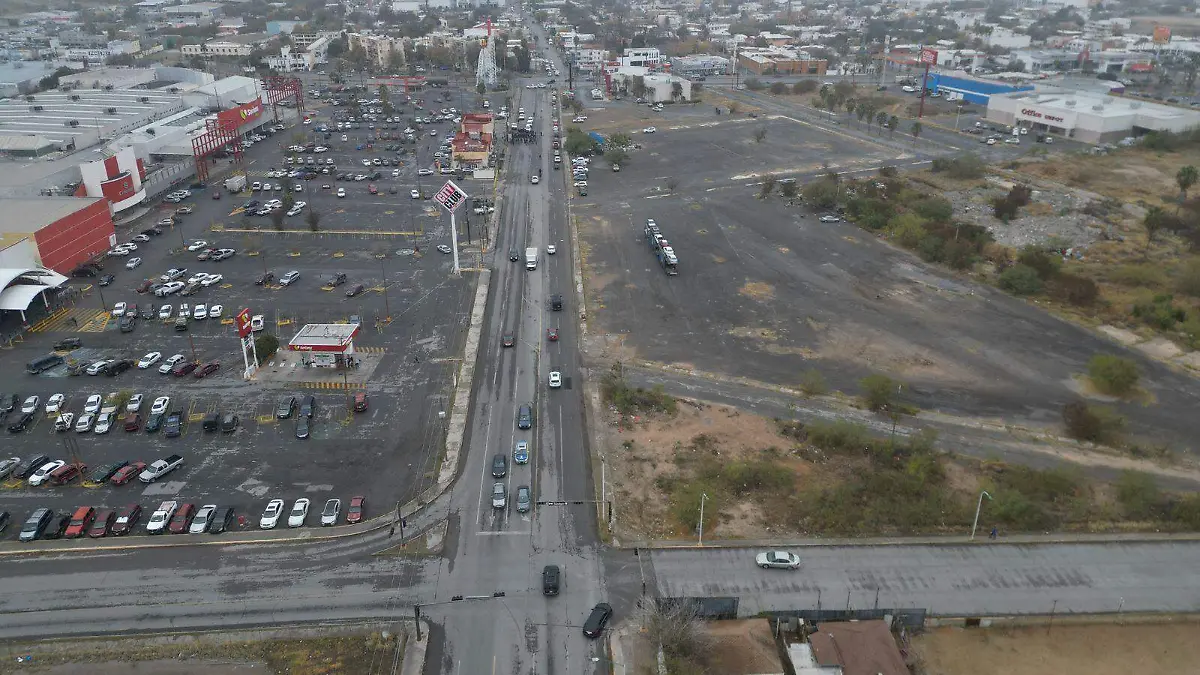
(243, 323)
(450, 196)
(1030, 113)
(929, 56)
(242, 114)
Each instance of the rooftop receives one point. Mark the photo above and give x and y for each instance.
(83, 115)
(25, 215)
(324, 335)
(1103, 105)
(859, 647)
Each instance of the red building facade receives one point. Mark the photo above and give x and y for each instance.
(76, 238)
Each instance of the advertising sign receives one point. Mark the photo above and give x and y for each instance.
(1054, 118)
(929, 56)
(243, 322)
(1162, 35)
(450, 196)
(242, 114)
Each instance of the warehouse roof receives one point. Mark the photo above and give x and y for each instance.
(30, 214)
(323, 335)
(23, 143)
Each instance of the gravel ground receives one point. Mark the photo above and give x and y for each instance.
(1053, 215)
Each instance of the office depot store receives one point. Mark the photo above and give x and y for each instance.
(1086, 116)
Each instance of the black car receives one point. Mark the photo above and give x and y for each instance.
(551, 579)
(25, 469)
(106, 280)
(556, 303)
(174, 424)
(117, 367)
(309, 407)
(21, 424)
(221, 520)
(85, 271)
(127, 324)
(303, 426)
(8, 403)
(67, 344)
(5, 519)
(264, 279)
(337, 279)
(36, 525)
(56, 529)
(106, 471)
(525, 416)
(357, 289)
(499, 465)
(285, 408)
(597, 620)
(154, 422)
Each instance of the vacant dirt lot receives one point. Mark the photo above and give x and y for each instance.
(1063, 650)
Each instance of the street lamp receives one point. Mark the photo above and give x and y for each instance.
(979, 507)
(703, 497)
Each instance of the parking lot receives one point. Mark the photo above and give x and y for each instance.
(412, 312)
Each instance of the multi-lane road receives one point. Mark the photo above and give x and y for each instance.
(493, 557)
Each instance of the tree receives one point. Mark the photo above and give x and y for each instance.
(915, 130)
(881, 119)
(1186, 178)
(893, 122)
(676, 91)
(804, 87)
(265, 346)
(1153, 222)
(277, 219)
(481, 89)
(759, 134)
(1113, 375)
(314, 220)
(789, 189)
(616, 156)
(1021, 280)
(822, 193)
(879, 392)
(850, 105)
(620, 140)
(768, 184)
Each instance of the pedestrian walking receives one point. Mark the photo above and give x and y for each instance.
(993, 533)
(392, 532)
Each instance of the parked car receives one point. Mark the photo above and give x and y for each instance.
(329, 515)
(203, 519)
(299, 513)
(357, 510)
(270, 516)
(102, 523)
(597, 620)
(160, 468)
(127, 518)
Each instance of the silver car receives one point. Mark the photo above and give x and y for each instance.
(329, 515)
(499, 496)
(524, 499)
(779, 560)
(287, 279)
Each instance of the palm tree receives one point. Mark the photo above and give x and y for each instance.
(1186, 178)
(893, 122)
(916, 131)
(849, 104)
(881, 119)
(1154, 220)
(860, 111)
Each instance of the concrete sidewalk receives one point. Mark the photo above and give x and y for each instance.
(981, 539)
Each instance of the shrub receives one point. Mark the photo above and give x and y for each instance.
(627, 400)
(1188, 281)
(1141, 275)
(959, 255)
(1160, 312)
(907, 229)
(1094, 424)
(755, 84)
(265, 346)
(931, 248)
(779, 88)
(1076, 290)
(965, 167)
(1045, 263)
(839, 436)
(935, 209)
(812, 383)
(804, 87)
(870, 213)
(879, 391)
(1004, 208)
(822, 193)
(1113, 374)
(1138, 495)
(1020, 280)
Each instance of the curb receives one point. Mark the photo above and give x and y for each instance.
(414, 651)
(949, 540)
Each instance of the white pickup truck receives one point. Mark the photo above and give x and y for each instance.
(161, 517)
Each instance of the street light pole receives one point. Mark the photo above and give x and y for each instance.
(703, 497)
(978, 508)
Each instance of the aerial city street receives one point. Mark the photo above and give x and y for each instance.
(543, 338)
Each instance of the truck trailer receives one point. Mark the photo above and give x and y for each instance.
(531, 258)
(236, 183)
(662, 249)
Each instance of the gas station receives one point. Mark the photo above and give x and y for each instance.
(326, 345)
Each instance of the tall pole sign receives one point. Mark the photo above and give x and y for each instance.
(451, 197)
(928, 58)
(245, 333)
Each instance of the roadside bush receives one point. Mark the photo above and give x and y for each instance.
(1138, 495)
(870, 213)
(804, 87)
(812, 383)
(1045, 263)
(959, 255)
(878, 392)
(628, 400)
(1015, 511)
(884, 500)
(779, 88)
(1076, 290)
(1160, 312)
(265, 346)
(1188, 281)
(1113, 375)
(1142, 275)
(907, 229)
(1004, 209)
(931, 248)
(1020, 280)
(963, 167)
(754, 84)
(934, 209)
(839, 436)
(1185, 511)
(822, 193)
(1094, 424)
(1057, 487)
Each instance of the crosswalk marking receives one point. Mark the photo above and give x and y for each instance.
(87, 320)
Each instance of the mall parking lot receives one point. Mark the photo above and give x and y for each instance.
(382, 453)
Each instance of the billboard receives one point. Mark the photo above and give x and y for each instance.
(242, 114)
(929, 56)
(243, 323)
(1162, 35)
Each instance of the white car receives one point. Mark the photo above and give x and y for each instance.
(135, 403)
(320, 148)
(345, 137)
(533, 179)
(299, 513)
(649, 130)
(579, 118)
(580, 183)
(97, 367)
(197, 245)
(212, 280)
(779, 560)
(830, 219)
(104, 423)
(287, 279)
(424, 172)
(329, 515)
(185, 310)
(299, 205)
(341, 192)
(149, 360)
(170, 288)
(198, 277)
(64, 422)
(119, 309)
(133, 262)
(169, 364)
(54, 404)
(414, 194)
(366, 162)
(551, 249)
(93, 404)
(555, 379)
(270, 517)
(257, 323)
(161, 403)
(216, 311)
(200, 312)
(200, 521)
(85, 422)
(165, 311)
(43, 474)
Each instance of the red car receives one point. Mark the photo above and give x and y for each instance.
(81, 522)
(144, 286)
(372, 189)
(208, 369)
(184, 368)
(127, 517)
(358, 506)
(182, 520)
(127, 473)
(67, 473)
(216, 194)
(360, 401)
(552, 334)
(103, 523)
